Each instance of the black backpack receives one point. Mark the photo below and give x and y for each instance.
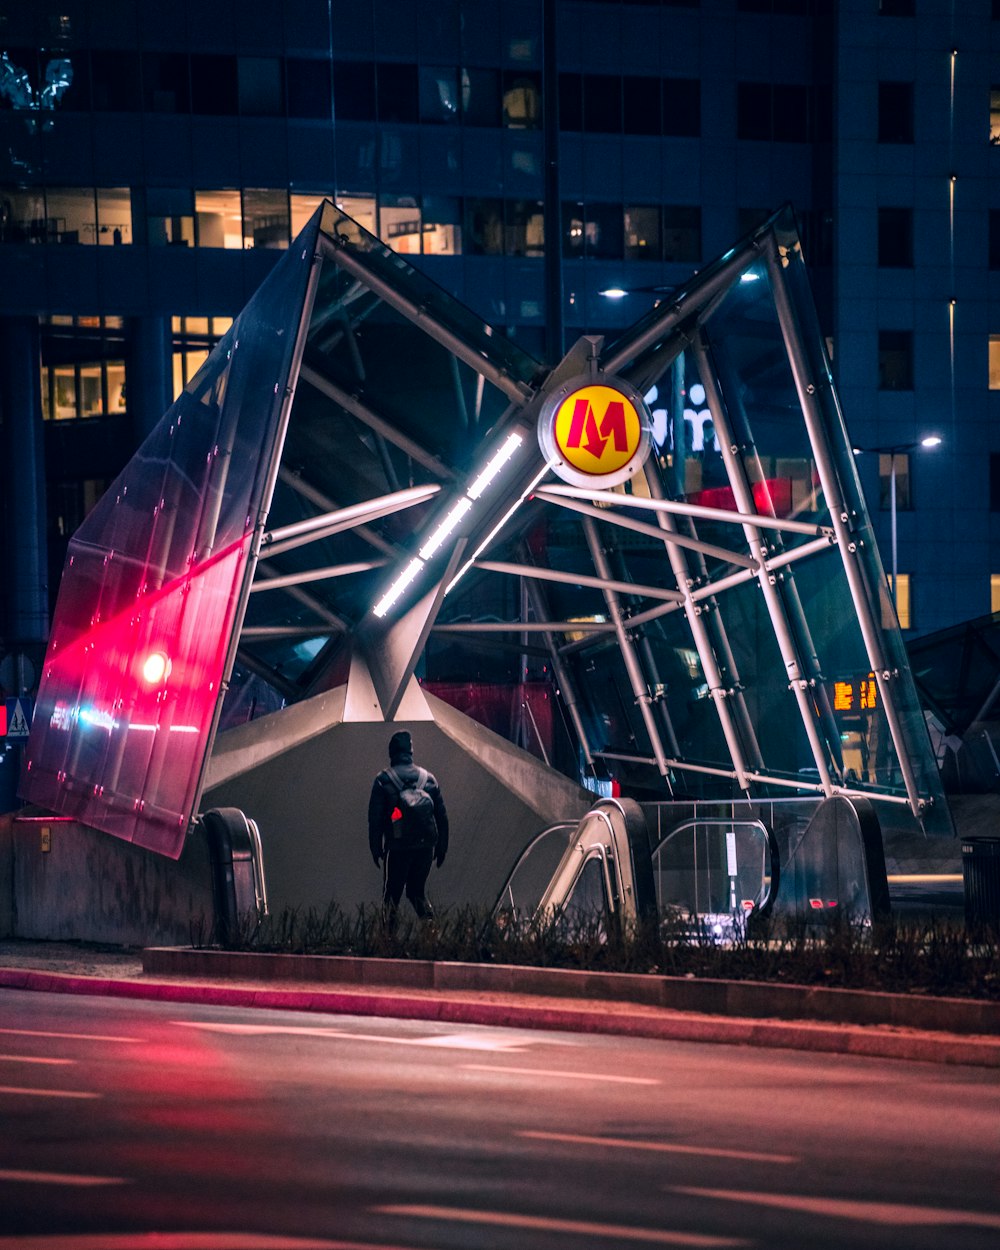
(416, 824)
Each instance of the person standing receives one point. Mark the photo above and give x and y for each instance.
(407, 828)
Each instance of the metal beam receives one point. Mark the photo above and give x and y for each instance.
(338, 252)
(651, 531)
(317, 498)
(578, 579)
(697, 511)
(526, 627)
(315, 575)
(287, 537)
(383, 428)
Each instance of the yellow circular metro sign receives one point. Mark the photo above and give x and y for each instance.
(595, 433)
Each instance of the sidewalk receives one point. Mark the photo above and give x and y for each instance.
(953, 1031)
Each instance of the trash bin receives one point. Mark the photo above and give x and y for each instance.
(981, 877)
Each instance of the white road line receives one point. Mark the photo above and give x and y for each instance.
(75, 1037)
(625, 1143)
(32, 1059)
(59, 1178)
(891, 1213)
(182, 1241)
(580, 1228)
(562, 1076)
(47, 1093)
(455, 1041)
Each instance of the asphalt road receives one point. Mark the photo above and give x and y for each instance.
(259, 1130)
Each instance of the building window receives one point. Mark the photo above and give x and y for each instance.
(896, 464)
(895, 238)
(681, 107)
(308, 88)
(995, 362)
(354, 91)
(360, 207)
(438, 93)
(265, 218)
(301, 209)
(219, 219)
(484, 227)
(594, 230)
(642, 232)
(641, 106)
(166, 83)
(193, 340)
(897, 8)
(681, 232)
(777, 111)
(895, 112)
(214, 86)
(83, 368)
(69, 503)
(895, 360)
(995, 592)
(400, 223)
(71, 215)
(994, 255)
(169, 217)
(602, 104)
(397, 93)
(524, 228)
(481, 99)
(902, 599)
(261, 86)
(522, 100)
(995, 115)
(114, 82)
(442, 233)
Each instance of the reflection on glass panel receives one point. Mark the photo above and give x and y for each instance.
(22, 216)
(219, 219)
(438, 93)
(522, 100)
(593, 230)
(484, 227)
(899, 598)
(71, 215)
(147, 601)
(114, 215)
(642, 232)
(442, 233)
(360, 208)
(265, 218)
(302, 208)
(525, 228)
(481, 105)
(400, 223)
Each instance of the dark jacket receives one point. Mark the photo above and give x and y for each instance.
(383, 799)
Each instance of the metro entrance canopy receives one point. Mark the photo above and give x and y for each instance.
(358, 469)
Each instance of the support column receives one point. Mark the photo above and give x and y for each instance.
(149, 383)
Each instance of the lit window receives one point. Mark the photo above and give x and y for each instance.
(360, 207)
(71, 215)
(194, 338)
(114, 215)
(995, 362)
(302, 209)
(522, 101)
(901, 598)
(995, 115)
(219, 218)
(442, 233)
(995, 592)
(265, 218)
(400, 223)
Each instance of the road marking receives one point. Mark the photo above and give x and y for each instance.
(892, 1213)
(75, 1037)
(182, 1241)
(47, 1093)
(562, 1076)
(456, 1041)
(59, 1178)
(581, 1228)
(32, 1059)
(716, 1152)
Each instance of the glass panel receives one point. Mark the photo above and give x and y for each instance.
(70, 215)
(220, 221)
(114, 215)
(442, 232)
(265, 218)
(642, 232)
(22, 216)
(400, 223)
(147, 600)
(302, 208)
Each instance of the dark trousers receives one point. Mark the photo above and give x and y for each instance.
(407, 868)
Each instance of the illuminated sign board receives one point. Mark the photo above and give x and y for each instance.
(860, 695)
(595, 431)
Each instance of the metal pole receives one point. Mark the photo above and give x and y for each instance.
(892, 525)
(636, 677)
(567, 690)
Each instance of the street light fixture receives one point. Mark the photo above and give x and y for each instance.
(893, 450)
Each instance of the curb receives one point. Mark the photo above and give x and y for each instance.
(594, 1018)
(707, 996)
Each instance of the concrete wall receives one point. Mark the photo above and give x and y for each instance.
(90, 887)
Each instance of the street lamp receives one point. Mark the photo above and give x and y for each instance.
(892, 451)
